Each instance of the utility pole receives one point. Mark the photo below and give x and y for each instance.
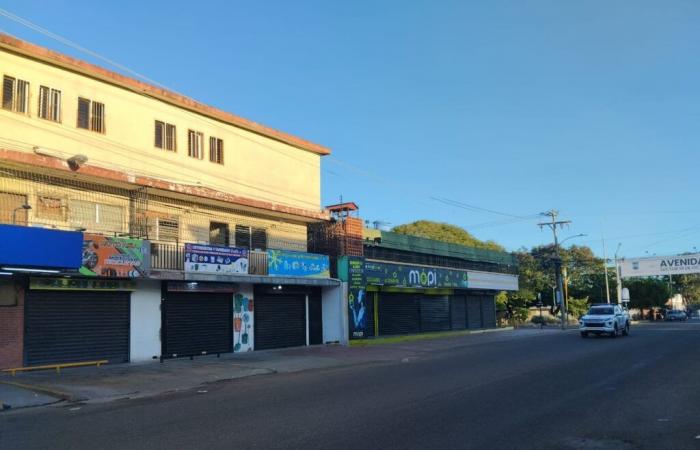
(552, 225)
(618, 274)
(605, 266)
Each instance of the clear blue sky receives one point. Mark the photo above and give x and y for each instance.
(592, 108)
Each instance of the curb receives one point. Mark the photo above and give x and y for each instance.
(388, 340)
(41, 390)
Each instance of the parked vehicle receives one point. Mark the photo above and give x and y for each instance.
(676, 314)
(605, 319)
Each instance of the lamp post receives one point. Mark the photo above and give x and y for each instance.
(25, 207)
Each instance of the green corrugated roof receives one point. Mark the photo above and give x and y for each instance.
(422, 245)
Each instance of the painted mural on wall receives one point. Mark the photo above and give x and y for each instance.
(297, 264)
(114, 257)
(357, 297)
(404, 275)
(243, 325)
(216, 259)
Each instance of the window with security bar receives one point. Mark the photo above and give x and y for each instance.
(15, 94)
(50, 104)
(195, 144)
(216, 150)
(251, 238)
(165, 136)
(96, 216)
(91, 115)
(167, 230)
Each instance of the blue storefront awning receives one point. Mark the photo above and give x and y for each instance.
(29, 247)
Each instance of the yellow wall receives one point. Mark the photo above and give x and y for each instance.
(254, 166)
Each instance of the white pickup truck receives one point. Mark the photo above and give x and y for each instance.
(605, 319)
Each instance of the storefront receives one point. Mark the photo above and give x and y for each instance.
(76, 319)
(386, 298)
(287, 316)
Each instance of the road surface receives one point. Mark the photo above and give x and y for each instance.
(550, 391)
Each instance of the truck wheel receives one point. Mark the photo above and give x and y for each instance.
(615, 332)
(584, 334)
(626, 331)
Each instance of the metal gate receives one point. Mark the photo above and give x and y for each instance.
(280, 321)
(76, 326)
(458, 312)
(197, 324)
(488, 311)
(474, 312)
(434, 313)
(398, 314)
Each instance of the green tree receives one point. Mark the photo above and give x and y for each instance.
(444, 232)
(577, 307)
(647, 292)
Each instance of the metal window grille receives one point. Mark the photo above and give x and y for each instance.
(170, 137)
(159, 131)
(98, 117)
(49, 104)
(195, 141)
(242, 236)
(218, 233)
(167, 230)
(15, 94)
(83, 113)
(259, 239)
(216, 150)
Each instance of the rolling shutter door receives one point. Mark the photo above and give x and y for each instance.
(196, 324)
(315, 320)
(458, 312)
(280, 321)
(474, 312)
(65, 327)
(488, 311)
(398, 314)
(434, 313)
(369, 304)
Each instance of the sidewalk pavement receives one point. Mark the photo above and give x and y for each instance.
(137, 380)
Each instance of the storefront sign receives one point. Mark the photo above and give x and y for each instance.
(202, 258)
(357, 302)
(202, 286)
(297, 264)
(660, 265)
(388, 274)
(80, 284)
(105, 256)
(39, 247)
(493, 281)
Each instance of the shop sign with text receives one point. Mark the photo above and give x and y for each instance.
(80, 284)
(297, 264)
(405, 275)
(105, 256)
(216, 259)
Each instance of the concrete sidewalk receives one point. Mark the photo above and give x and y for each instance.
(122, 381)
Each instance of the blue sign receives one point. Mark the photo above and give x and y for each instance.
(43, 248)
(297, 264)
(216, 259)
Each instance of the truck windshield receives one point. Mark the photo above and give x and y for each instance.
(600, 311)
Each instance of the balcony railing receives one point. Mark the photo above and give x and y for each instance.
(170, 256)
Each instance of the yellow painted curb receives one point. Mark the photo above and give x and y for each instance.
(40, 389)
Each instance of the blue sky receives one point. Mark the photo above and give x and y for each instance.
(591, 108)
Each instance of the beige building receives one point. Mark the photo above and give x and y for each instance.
(90, 149)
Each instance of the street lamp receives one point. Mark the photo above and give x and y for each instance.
(25, 207)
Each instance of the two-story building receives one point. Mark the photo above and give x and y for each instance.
(137, 223)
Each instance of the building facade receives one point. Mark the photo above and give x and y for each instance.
(138, 223)
(405, 285)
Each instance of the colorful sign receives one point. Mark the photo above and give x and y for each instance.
(357, 303)
(243, 322)
(80, 284)
(39, 247)
(216, 259)
(105, 256)
(297, 264)
(388, 274)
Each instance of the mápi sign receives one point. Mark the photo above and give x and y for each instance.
(660, 265)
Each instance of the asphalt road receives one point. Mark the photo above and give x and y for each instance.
(551, 391)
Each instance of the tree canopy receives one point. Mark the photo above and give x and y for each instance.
(446, 233)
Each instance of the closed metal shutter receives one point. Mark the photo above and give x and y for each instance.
(398, 314)
(65, 327)
(196, 324)
(280, 321)
(488, 311)
(458, 312)
(315, 320)
(474, 312)
(434, 313)
(369, 304)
